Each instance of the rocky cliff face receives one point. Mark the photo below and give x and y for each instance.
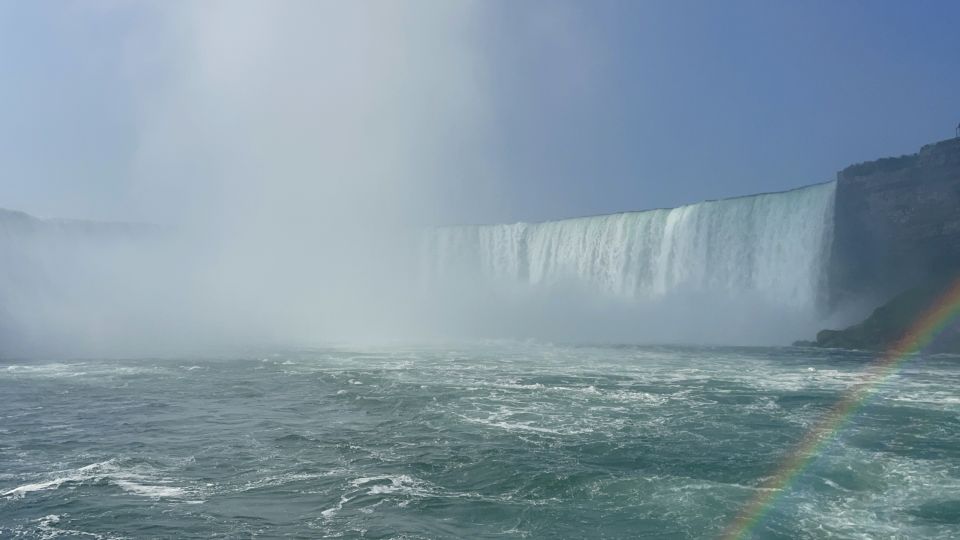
(897, 224)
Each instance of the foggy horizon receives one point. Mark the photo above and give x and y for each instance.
(298, 155)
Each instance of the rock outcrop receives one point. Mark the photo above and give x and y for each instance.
(891, 321)
(896, 225)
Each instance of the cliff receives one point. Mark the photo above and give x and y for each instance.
(896, 225)
(14, 222)
(896, 244)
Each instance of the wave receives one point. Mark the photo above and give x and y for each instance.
(136, 480)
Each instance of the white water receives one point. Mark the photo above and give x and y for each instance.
(772, 246)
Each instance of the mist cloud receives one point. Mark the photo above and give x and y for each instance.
(290, 151)
(305, 141)
(291, 154)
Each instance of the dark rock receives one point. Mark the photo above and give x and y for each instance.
(891, 321)
(896, 225)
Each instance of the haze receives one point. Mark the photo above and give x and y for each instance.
(289, 151)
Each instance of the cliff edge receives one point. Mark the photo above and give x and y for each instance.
(896, 225)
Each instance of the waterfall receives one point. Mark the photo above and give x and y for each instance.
(773, 246)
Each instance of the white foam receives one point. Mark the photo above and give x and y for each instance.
(152, 491)
(400, 483)
(97, 371)
(137, 480)
(524, 426)
(330, 512)
(876, 512)
(46, 530)
(634, 396)
(20, 491)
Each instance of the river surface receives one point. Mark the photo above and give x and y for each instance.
(488, 440)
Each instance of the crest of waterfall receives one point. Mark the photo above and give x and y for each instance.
(773, 246)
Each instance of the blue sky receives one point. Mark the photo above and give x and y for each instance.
(588, 107)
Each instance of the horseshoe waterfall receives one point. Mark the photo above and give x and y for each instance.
(772, 246)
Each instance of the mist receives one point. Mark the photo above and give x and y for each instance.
(307, 138)
(572, 312)
(288, 153)
(288, 157)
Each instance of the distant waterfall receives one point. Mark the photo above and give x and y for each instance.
(772, 245)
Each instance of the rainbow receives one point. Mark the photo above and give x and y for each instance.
(919, 335)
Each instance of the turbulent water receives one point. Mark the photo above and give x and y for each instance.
(773, 245)
(496, 440)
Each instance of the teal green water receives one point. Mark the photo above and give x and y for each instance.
(499, 440)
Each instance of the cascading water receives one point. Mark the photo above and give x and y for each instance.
(772, 246)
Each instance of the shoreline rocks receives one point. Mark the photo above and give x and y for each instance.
(891, 321)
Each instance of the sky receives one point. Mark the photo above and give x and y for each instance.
(503, 111)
